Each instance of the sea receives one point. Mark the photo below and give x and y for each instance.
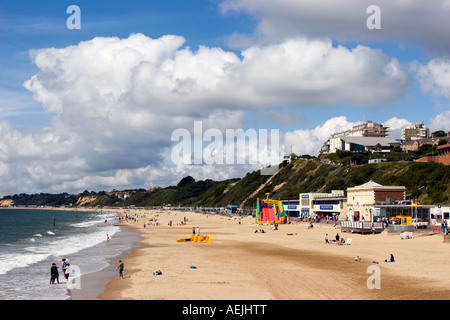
(32, 239)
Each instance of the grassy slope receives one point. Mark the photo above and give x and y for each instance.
(427, 182)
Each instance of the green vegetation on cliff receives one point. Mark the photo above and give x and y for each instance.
(427, 182)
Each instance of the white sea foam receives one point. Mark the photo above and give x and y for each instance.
(25, 264)
(76, 243)
(85, 224)
(99, 220)
(11, 261)
(57, 247)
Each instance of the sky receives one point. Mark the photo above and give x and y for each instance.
(110, 105)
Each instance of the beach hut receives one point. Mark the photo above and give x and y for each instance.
(232, 209)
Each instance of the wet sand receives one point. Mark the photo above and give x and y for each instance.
(93, 284)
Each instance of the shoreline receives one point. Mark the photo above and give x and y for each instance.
(81, 237)
(292, 263)
(94, 284)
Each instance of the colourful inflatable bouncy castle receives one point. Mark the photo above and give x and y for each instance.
(270, 211)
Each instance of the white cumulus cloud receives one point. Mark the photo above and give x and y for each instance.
(440, 122)
(396, 125)
(116, 102)
(309, 141)
(434, 77)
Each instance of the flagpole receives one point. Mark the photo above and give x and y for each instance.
(413, 204)
(416, 210)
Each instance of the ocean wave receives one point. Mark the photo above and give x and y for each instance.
(56, 246)
(79, 242)
(100, 220)
(10, 261)
(86, 224)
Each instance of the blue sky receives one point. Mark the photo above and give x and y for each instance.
(304, 67)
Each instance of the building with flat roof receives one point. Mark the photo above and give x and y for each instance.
(373, 144)
(292, 207)
(361, 144)
(439, 213)
(415, 131)
(333, 204)
(404, 208)
(364, 129)
(314, 204)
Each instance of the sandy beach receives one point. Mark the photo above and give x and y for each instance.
(291, 263)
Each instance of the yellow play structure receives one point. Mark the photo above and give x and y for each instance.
(402, 220)
(196, 238)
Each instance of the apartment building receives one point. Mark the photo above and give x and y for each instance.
(415, 131)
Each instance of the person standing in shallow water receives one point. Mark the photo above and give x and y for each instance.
(63, 267)
(54, 274)
(67, 272)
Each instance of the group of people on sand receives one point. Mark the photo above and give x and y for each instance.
(338, 239)
(54, 274)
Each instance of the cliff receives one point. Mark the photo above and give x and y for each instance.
(429, 183)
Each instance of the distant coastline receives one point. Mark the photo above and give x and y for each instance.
(428, 182)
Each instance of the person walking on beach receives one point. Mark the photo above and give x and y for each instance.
(120, 268)
(54, 274)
